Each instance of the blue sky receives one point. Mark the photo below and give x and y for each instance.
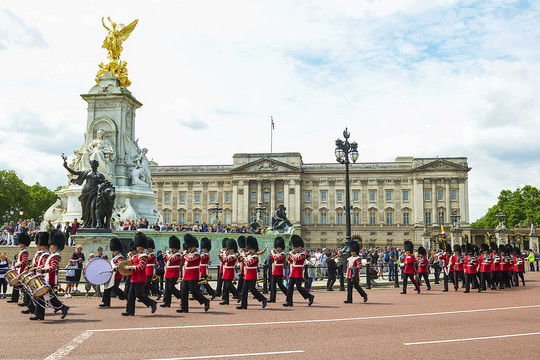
(407, 77)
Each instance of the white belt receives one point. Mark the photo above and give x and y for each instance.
(191, 267)
(172, 267)
(297, 265)
(278, 264)
(228, 267)
(152, 265)
(250, 267)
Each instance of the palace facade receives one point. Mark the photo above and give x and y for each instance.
(391, 201)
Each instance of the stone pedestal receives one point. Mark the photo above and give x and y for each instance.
(456, 237)
(501, 232)
(533, 241)
(425, 240)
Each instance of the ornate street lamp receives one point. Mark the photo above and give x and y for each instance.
(455, 219)
(501, 217)
(216, 210)
(345, 152)
(260, 210)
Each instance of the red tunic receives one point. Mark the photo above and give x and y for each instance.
(172, 266)
(36, 259)
(495, 262)
(518, 263)
(422, 265)
(205, 260)
(353, 261)
(229, 263)
(504, 265)
(151, 264)
(408, 260)
(458, 260)
(278, 261)
(251, 263)
(191, 267)
(297, 265)
(222, 254)
(117, 260)
(485, 263)
(22, 260)
(471, 263)
(448, 263)
(138, 273)
(50, 267)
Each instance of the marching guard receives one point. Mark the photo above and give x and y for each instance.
(190, 281)
(206, 246)
(458, 260)
(297, 257)
(242, 252)
(408, 269)
(251, 263)
(173, 261)
(219, 285)
(277, 257)
(422, 270)
(495, 263)
(354, 265)
(448, 266)
(150, 287)
(485, 267)
(503, 267)
(229, 264)
(471, 264)
(42, 243)
(518, 266)
(20, 264)
(113, 284)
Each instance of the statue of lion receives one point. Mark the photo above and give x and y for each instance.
(105, 204)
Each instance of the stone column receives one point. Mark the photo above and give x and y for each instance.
(259, 191)
(297, 202)
(244, 218)
(533, 239)
(273, 197)
(364, 201)
(434, 212)
(448, 210)
(418, 202)
(426, 236)
(174, 203)
(234, 205)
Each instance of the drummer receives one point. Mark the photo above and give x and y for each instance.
(42, 243)
(113, 284)
(89, 285)
(21, 263)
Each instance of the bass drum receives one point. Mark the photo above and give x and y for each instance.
(97, 271)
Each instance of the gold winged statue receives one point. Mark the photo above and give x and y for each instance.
(113, 43)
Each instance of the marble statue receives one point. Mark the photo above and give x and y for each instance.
(137, 163)
(102, 151)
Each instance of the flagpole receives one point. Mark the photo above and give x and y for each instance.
(271, 132)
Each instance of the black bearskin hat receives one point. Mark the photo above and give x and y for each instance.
(469, 248)
(355, 247)
(516, 251)
(150, 243)
(422, 250)
(464, 248)
(508, 249)
(242, 242)
(174, 242)
(140, 240)
(279, 243)
(206, 243)
(132, 246)
(475, 249)
(224, 243)
(191, 241)
(231, 245)
(457, 248)
(297, 241)
(184, 246)
(251, 243)
(408, 246)
(43, 238)
(24, 239)
(448, 248)
(494, 246)
(57, 238)
(116, 245)
(485, 247)
(502, 248)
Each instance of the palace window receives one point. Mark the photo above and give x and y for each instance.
(356, 218)
(266, 218)
(227, 218)
(227, 197)
(181, 218)
(441, 217)
(197, 197)
(212, 197)
(166, 218)
(266, 196)
(182, 197)
(372, 218)
(428, 218)
(280, 196)
(389, 218)
(339, 196)
(372, 195)
(167, 197)
(323, 218)
(307, 218)
(388, 195)
(252, 217)
(356, 196)
(323, 196)
(307, 196)
(340, 218)
(406, 218)
(253, 197)
(440, 195)
(196, 217)
(427, 195)
(405, 195)
(453, 195)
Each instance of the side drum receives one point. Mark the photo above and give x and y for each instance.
(12, 278)
(38, 287)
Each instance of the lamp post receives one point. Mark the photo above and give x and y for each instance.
(216, 210)
(260, 209)
(345, 152)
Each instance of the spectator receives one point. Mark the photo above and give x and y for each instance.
(380, 265)
(67, 232)
(331, 266)
(70, 277)
(531, 259)
(11, 234)
(4, 268)
(309, 270)
(79, 258)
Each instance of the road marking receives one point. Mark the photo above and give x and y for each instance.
(470, 339)
(314, 320)
(66, 349)
(235, 355)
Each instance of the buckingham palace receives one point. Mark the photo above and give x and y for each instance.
(390, 201)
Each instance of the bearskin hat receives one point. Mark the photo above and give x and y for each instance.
(493, 246)
(191, 241)
(422, 250)
(184, 246)
(150, 243)
(516, 251)
(508, 249)
(174, 242)
(224, 243)
(57, 238)
(485, 247)
(408, 246)
(251, 243)
(469, 248)
(457, 248)
(464, 248)
(279, 243)
(475, 249)
(206, 243)
(297, 241)
(355, 247)
(231, 245)
(116, 245)
(132, 246)
(140, 240)
(43, 238)
(24, 239)
(502, 248)
(242, 242)
(448, 248)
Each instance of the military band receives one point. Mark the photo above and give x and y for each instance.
(297, 257)
(113, 284)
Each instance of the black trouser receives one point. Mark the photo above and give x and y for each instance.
(471, 278)
(290, 289)
(240, 282)
(411, 276)
(127, 283)
(193, 287)
(228, 287)
(277, 280)
(207, 286)
(425, 276)
(249, 285)
(531, 268)
(55, 302)
(484, 278)
(437, 270)
(330, 283)
(119, 292)
(516, 280)
(3, 284)
(459, 275)
(219, 285)
(495, 278)
(354, 283)
(136, 290)
(170, 290)
(505, 281)
(446, 277)
(150, 287)
(15, 294)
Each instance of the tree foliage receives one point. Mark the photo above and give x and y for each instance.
(34, 199)
(519, 207)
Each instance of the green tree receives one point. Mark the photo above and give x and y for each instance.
(519, 207)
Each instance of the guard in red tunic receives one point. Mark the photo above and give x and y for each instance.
(408, 268)
(503, 267)
(229, 264)
(448, 266)
(173, 260)
(150, 287)
(354, 265)
(458, 260)
(138, 276)
(113, 284)
(242, 252)
(422, 269)
(206, 246)
(508, 266)
(21, 263)
(219, 285)
(471, 264)
(43, 244)
(518, 266)
(277, 258)
(495, 261)
(57, 242)
(251, 263)
(190, 281)
(485, 267)
(296, 261)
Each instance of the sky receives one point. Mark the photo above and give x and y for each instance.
(415, 78)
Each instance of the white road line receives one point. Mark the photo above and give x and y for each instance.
(66, 349)
(235, 355)
(470, 339)
(290, 322)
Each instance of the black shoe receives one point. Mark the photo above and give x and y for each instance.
(27, 311)
(165, 305)
(238, 300)
(64, 311)
(287, 304)
(12, 301)
(264, 303)
(36, 318)
(22, 304)
(466, 291)
(445, 291)
(330, 289)
(418, 291)
(235, 297)
(214, 296)
(403, 292)
(365, 298)
(192, 298)
(241, 307)
(154, 307)
(429, 288)
(224, 303)
(104, 305)
(160, 294)
(127, 314)
(181, 311)
(56, 310)
(207, 306)
(311, 300)
(347, 302)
